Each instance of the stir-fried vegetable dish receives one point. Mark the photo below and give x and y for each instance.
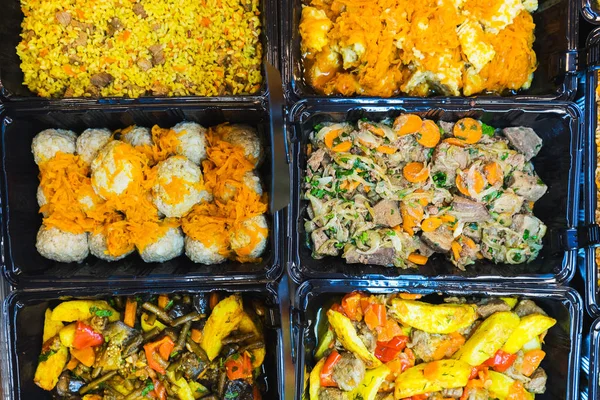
(399, 347)
(395, 192)
(201, 346)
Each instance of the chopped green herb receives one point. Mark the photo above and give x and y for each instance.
(430, 153)
(330, 216)
(149, 387)
(344, 160)
(339, 245)
(231, 395)
(390, 233)
(307, 179)
(439, 178)
(235, 357)
(492, 196)
(526, 234)
(517, 257)
(364, 119)
(99, 312)
(504, 156)
(318, 127)
(45, 356)
(364, 236)
(169, 305)
(487, 130)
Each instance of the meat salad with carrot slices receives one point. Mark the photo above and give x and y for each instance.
(172, 346)
(397, 191)
(399, 347)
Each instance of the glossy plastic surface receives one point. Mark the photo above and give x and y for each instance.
(11, 76)
(562, 344)
(20, 219)
(25, 319)
(558, 165)
(593, 376)
(590, 10)
(557, 29)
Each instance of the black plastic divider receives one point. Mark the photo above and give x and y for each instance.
(562, 344)
(24, 313)
(11, 77)
(25, 268)
(558, 165)
(593, 359)
(590, 11)
(557, 29)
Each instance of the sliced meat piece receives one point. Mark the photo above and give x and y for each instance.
(322, 242)
(349, 371)
(530, 187)
(507, 203)
(537, 384)
(315, 160)
(367, 337)
(387, 213)
(473, 230)
(425, 250)
(430, 346)
(526, 307)
(138, 9)
(527, 225)
(477, 394)
(491, 307)
(468, 210)
(514, 370)
(81, 40)
(516, 161)
(63, 18)
(382, 256)
(439, 240)
(332, 394)
(454, 393)
(114, 25)
(158, 55)
(446, 160)
(524, 140)
(447, 127)
(101, 79)
(144, 64)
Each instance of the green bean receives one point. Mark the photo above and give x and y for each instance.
(93, 384)
(158, 311)
(182, 336)
(197, 350)
(151, 334)
(238, 338)
(136, 394)
(119, 302)
(252, 346)
(96, 372)
(150, 319)
(185, 318)
(161, 361)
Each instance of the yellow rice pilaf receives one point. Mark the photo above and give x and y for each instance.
(93, 48)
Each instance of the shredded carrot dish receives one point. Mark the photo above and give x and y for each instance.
(387, 47)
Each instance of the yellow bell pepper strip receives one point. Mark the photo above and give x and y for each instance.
(440, 318)
(314, 381)
(348, 337)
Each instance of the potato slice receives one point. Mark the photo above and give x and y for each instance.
(440, 318)
(501, 385)
(315, 380)
(488, 338)
(251, 325)
(346, 333)
(511, 301)
(51, 328)
(80, 310)
(432, 377)
(368, 388)
(225, 317)
(67, 335)
(48, 370)
(530, 327)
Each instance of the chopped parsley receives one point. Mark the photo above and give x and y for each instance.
(504, 156)
(231, 395)
(45, 356)
(526, 234)
(492, 196)
(149, 387)
(339, 245)
(440, 178)
(100, 313)
(364, 119)
(517, 257)
(390, 233)
(169, 305)
(487, 130)
(364, 236)
(318, 127)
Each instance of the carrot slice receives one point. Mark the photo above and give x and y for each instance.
(386, 149)
(415, 172)
(375, 130)
(455, 142)
(531, 361)
(469, 242)
(468, 129)
(493, 173)
(429, 134)
(406, 124)
(431, 224)
(411, 217)
(331, 136)
(417, 259)
(342, 147)
(448, 218)
(477, 185)
(130, 310)
(456, 249)
(163, 300)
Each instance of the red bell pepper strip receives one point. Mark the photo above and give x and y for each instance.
(327, 371)
(86, 336)
(164, 347)
(239, 367)
(160, 392)
(501, 361)
(387, 351)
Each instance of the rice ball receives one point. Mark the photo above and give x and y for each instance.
(192, 141)
(137, 136)
(55, 244)
(246, 137)
(99, 248)
(41, 197)
(249, 239)
(167, 247)
(48, 142)
(250, 180)
(90, 142)
(115, 168)
(179, 187)
(199, 253)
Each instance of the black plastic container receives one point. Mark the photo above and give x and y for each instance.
(593, 376)
(24, 313)
(558, 165)
(24, 267)
(11, 76)
(562, 344)
(557, 29)
(590, 11)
